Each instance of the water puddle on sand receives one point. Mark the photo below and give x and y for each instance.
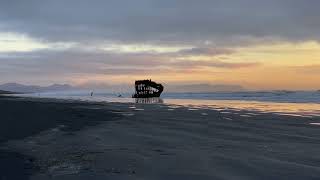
(316, 124)
(224, 112)
(117, 112)
(58, 128)
(244, 115)
(288, 109)
(225, 106)
(174, 106)
(252, 114)
(193, 109)
(294, 115)
(128, 114)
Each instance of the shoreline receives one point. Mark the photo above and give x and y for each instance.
(302, 109)
(152, 141)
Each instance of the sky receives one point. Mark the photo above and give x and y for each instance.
(259, 45)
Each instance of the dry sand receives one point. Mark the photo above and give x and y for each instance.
(52, 139)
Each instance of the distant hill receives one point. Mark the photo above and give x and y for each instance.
(5, 92)
(20, 88)
(195, 88)
(202, 88)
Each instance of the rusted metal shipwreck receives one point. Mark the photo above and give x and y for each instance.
(147, 89)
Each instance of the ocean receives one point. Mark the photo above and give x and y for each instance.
(293, 103)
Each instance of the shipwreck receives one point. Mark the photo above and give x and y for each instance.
(147, 89)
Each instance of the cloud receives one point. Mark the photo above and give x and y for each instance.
(213, 64)
(307, 70)
(13, 42)
(209, 51)
(77, 57)
(165, 21)
(76, 62)
(142, 48)
(61, 40)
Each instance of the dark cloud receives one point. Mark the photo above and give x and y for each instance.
(162, 21)
(72, 63)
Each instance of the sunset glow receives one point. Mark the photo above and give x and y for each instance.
(250, 54)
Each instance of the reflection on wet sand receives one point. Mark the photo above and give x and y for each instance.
(289, 109)
(148, 100)
(224, 106)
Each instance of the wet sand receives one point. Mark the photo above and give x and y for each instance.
(58, 139)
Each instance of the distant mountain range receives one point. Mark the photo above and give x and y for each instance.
(195, 88)
(20, 88)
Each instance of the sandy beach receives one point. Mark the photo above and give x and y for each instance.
(58, 139)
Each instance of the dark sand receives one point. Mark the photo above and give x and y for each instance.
(53, 139)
